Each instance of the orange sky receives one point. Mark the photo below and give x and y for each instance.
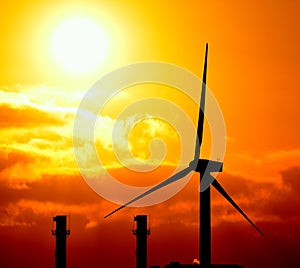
(253, 71)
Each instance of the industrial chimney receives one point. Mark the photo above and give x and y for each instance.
(141, 233)
(61, 233)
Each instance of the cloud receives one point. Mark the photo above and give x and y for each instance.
(271, 202)
(274, 207)
(27, 212)
(39, 178)
(264, 167)
(37, 124)
(285, 201)
(35, 131)
(10, 158)
(24, 163)
(173, 223)
(39, 96)
(26, 116)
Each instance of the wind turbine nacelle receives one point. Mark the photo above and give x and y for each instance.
(208, 165)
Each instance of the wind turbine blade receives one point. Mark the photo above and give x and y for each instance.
(202, 100)
(202, 103)
(221, 190)
(164, 183)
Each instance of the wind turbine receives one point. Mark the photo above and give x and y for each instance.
(204, 167)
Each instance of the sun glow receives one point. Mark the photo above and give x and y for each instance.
(79, 45)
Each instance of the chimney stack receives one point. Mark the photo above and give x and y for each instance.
(141, 233)
(61, 233)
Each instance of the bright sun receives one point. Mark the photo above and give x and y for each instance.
(79, 45)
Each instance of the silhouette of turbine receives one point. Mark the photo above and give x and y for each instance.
(203, 166)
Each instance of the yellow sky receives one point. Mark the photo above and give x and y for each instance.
(252, 64)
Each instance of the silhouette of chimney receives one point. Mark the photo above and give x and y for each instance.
(61, 233)
(141, 233)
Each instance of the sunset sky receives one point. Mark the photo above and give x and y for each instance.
(52, 52)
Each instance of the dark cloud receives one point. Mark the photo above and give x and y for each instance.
(279, 218)
(239, 243)
(284, 202)
(291, 178)
(61, 189)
